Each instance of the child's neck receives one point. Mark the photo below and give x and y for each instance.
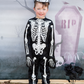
(40, 18)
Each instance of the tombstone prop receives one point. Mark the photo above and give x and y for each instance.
(68, 24)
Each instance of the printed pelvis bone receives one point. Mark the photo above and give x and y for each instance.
(33, 74)
(39, 48)
(59, 61)
(45, 75)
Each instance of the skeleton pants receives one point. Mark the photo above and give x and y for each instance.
(40, 62)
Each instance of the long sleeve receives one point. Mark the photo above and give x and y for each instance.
(26, 39)
(51, 53)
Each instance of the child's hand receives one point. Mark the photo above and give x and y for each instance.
(51, 63)
(29, 61)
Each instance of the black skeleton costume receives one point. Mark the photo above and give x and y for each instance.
(39, 48)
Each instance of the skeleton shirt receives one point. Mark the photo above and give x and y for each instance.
(39, 38)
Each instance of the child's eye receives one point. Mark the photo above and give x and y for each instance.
(38, 9)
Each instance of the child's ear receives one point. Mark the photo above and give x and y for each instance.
(34, 9)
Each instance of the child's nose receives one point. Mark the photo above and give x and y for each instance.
(41, 11)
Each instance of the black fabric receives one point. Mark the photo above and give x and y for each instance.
(39, 63)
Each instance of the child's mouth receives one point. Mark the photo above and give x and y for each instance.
(41, 14)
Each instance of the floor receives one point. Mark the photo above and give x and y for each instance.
(39, 82)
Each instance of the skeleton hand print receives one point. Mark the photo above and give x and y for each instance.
(29, 61)
(51, 63)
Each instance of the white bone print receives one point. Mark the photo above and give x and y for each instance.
(45, 75)
(39, 29)
(33, 74)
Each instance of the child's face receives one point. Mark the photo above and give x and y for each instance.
(40, 10)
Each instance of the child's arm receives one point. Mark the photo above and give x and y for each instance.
(27, 43)
(51, 53)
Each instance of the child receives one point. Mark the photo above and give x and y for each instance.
(39, 43)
